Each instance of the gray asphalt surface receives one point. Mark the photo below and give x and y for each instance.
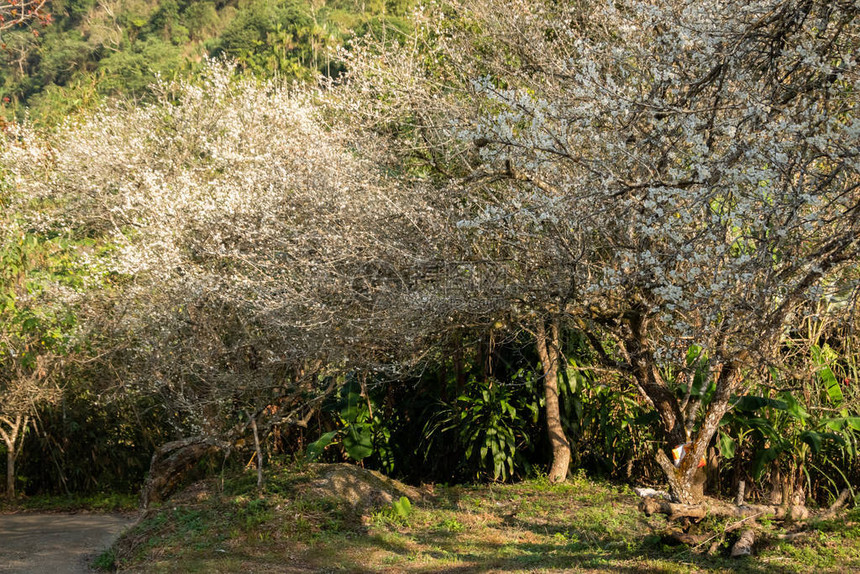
(32, 543)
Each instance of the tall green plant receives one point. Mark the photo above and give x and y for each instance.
(610, 430)
(360, 431)
(790, 442)
(489, 426)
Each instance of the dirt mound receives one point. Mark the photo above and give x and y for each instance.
(359, 487)
(195, 493)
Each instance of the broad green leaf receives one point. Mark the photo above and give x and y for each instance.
(352, 402)
(752, 403)
(358, 441)
(316, 448)
(763, 426)
(761, 459)
(402, 507)
(813, 439)
(837, 438)
(693, 354)
(794, 408)
(834, 392)
(727, 446)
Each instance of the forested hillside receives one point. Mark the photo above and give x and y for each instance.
(91, 49)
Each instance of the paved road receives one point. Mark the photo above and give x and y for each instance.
(55, 543)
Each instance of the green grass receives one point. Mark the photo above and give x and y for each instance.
(95, 503)
(106, 560)
(532, 526)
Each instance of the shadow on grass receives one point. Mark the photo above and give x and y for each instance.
(567, 547)
(598, 556)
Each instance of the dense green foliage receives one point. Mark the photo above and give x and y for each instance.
(98, 49)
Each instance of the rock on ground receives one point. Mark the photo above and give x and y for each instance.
(360, 487)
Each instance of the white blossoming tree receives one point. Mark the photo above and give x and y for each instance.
(679, 180)
(694, 166)
(253, 246)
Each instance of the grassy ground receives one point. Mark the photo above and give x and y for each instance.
(532, 526)
(74, 503)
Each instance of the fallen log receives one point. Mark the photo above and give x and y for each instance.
(651, 493)
(744, 544)
(837, 504)
(688, 538)
(791, 536)
(747, 515)
(719, 538)
(676, 511)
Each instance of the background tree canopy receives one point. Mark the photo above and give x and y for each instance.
(95, 49)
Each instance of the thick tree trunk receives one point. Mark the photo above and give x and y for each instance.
(687, 480)
(171, 463)
(683, 486)
(548, 354)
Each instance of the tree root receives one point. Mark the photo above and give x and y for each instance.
(747, 513)
(837, 505)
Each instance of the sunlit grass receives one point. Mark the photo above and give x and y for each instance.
(533, 526)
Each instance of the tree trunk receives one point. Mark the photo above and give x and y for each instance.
(10, 472)
(257, 450)
(171, 463)
(13, 449)
(459, 371)
(680, 485)
(548, 353)
(687, 480)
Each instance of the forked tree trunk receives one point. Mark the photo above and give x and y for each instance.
(13, 438)
(548, 352)
(687, 480)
